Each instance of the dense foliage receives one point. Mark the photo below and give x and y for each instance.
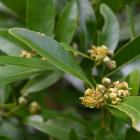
(69, 70)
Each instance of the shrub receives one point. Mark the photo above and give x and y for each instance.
(69, 70)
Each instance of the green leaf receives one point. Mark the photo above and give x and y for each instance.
(9, 45)
(41, 16)
(125, 28)
(104, 133)
(42, 82)
(133, 80)
(86, 28)
(110, 32)
(131, 107)
(73, 135)
(120, 128)
(18, 6)
(59, 128)
(11, 129)
(10, 74)
(131, 22)
(123, 55)
(67, 23)
(52, 50)
(31, 63)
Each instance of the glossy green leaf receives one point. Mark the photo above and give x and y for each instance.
(86, 29)
(131, 22)
(31, 63)
(110, 32)
(41, 16)
(10, 74)
(59, 128)
(67, 23)
(52, 50)
(9, 45)
(11, 129)
(7, 23)
(18, 6)
(126, 54)
(125, 29)
(131, 107)
(120, 129)
(116, 5)
(42, 82)
(133, 80)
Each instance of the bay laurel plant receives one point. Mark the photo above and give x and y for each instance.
(69, 70)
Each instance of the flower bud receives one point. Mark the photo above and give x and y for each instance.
(23, 53)
(106, 82)
(34, 108)
(41, 33)
(100, 88)
(116, 83)
(88, 91)
(106, 59)
(43, 58)
(114, 102)
(28, 55)
(22, 100)
(117, 99)
(106, 96)
(126, 93)
(123, 85)
(120, 93)
(112, 95)
(112, 90)
(111, 64)
(110, 53)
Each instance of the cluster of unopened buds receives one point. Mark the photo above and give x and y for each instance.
(101, 54)
(107, 92)
(27, 54)
(34, 106)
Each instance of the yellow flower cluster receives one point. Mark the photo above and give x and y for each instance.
(108, 92)
(93, 98)
(102, 54)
